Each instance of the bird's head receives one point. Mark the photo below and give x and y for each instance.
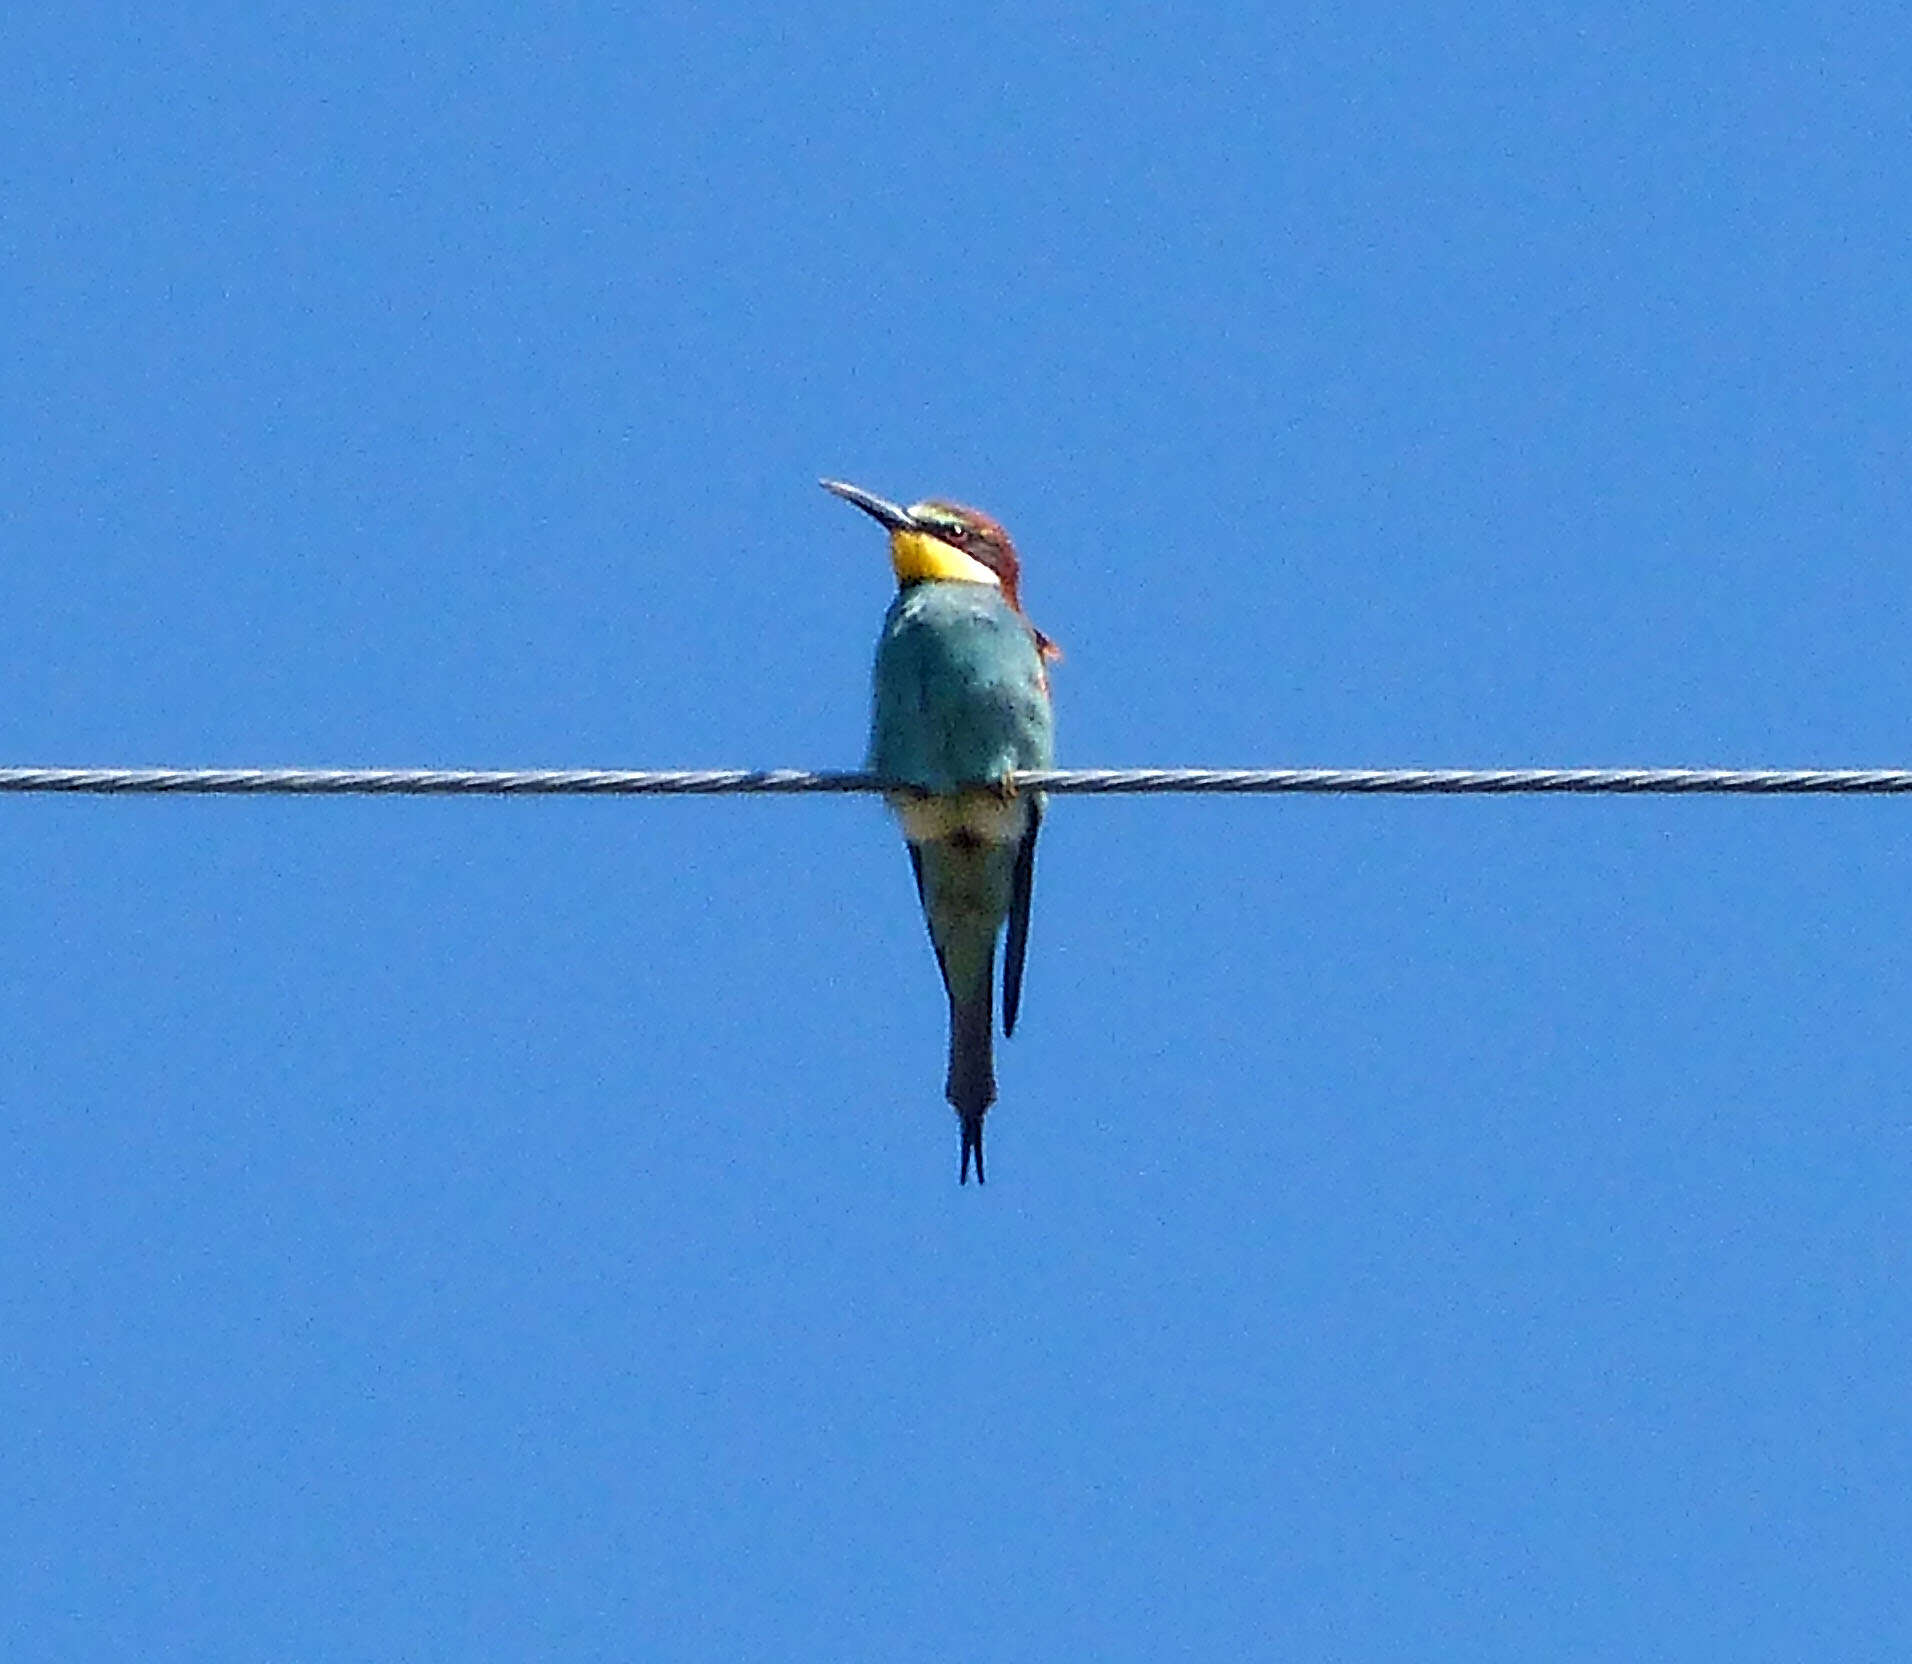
(945, 542)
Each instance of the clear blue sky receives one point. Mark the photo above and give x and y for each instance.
(520, 1230)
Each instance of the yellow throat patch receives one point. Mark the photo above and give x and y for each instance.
(918, 557)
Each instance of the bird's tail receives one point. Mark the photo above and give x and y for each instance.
(972, 1069)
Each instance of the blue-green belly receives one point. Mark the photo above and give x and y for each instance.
(959, 691)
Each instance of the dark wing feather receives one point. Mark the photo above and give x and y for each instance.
(1018, 942)
(922, 897)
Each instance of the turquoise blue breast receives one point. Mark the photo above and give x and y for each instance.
(960, 699)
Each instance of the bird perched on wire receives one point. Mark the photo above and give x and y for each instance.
(960, 704)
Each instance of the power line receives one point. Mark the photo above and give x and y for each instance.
(439, 782)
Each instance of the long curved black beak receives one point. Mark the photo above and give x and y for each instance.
(884, 512)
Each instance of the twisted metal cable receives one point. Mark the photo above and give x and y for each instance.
(438, 782)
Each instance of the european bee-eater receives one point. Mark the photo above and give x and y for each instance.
(960, 704)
